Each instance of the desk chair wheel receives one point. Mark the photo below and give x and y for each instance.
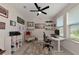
(48, 46)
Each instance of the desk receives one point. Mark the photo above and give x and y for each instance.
(58, 39)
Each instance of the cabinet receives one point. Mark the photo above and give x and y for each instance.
(16, 43)
(16, 40)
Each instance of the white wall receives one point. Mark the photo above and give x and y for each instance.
(39, 32)
(5, 40)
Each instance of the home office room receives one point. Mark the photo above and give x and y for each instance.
(39, 28)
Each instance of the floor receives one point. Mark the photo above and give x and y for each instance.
(36, 48)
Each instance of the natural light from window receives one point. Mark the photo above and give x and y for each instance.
(74, 23)
(60, 25)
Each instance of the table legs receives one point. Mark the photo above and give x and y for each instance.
(58, 45)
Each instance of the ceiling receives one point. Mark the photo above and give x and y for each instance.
(51, 11)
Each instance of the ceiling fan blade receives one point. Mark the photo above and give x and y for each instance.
(36, 5)
(43, 12)
(34, 10)
(45, 8)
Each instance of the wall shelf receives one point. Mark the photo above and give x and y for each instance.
(50, 25)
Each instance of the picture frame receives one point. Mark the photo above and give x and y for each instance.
(12, 23)
(3, 12)
(2, 25)
(30, 24)
(20, 20)
(39, 26)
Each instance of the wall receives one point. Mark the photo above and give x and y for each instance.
(39, 32)
(5, 40)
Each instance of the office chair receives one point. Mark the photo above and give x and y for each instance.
(47, 42)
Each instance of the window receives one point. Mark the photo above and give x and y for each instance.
(60, 25)
(74, 23)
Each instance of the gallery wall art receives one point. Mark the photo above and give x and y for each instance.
(12, 23)
(50, 25)
(39, 26)
(30, 24)
(2, 25)
(20, 20)
(3, 12)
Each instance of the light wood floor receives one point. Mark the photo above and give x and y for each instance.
(36, 48)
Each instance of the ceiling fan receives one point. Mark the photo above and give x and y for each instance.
(39, 9)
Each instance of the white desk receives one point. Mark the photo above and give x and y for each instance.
(58, 39)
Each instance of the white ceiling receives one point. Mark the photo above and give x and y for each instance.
(51, 11)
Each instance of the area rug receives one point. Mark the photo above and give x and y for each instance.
(36, 48)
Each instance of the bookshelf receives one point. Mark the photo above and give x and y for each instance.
(16, 41)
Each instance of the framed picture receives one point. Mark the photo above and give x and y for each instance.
(20, 20)
(2, 25)
(3, 12)
(12, 23)
(54, 25)
(30, 24)
(39, 26)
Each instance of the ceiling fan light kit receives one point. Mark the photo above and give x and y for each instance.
(39, 10)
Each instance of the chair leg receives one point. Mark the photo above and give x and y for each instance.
(52, 47)
(49, 49)
(44, 46)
